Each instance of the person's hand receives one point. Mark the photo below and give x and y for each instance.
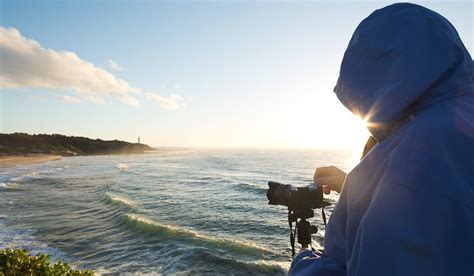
(331, 178)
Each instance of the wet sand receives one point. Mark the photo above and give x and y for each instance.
(14, 160)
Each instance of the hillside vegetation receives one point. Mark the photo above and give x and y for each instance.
(20, 262)
(21, 143)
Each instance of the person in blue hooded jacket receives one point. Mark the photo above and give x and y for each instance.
(408, 207)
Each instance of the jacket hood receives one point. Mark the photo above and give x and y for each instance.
(401, 59)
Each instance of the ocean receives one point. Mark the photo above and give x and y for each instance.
(171, 212)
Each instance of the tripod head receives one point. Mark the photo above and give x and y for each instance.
(303, 228)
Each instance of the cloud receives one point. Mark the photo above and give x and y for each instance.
(115, 66)
(172, 102)
(26, 64)
(69, 99)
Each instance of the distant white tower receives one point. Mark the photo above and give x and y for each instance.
(139, 139)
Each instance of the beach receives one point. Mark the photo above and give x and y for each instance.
(14, 160)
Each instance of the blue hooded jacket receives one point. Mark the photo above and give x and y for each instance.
(408, 207)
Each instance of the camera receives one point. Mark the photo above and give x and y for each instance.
(301, 202)
(296, 198)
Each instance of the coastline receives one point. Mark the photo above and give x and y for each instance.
(8, 161)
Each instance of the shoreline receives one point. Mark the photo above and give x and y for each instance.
(8, 161)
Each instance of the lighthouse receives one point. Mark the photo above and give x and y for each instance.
(139, 139)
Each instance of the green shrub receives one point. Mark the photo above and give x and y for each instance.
(19, 262)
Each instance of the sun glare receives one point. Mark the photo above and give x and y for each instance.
(359, 137)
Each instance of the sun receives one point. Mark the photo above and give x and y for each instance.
(359, 135)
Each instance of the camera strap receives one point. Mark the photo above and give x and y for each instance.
(324, 216)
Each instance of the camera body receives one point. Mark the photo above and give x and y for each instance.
(297, 199)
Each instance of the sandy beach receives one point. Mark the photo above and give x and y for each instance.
(13, 160)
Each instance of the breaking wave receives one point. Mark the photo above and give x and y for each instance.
(24, 177)
(120, 200)
(9, 186)
(147, 225)
(122, 166)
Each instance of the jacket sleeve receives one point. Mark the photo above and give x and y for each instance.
(308, 262)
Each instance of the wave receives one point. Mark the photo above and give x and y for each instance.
(284, 266)
(13, 237)
(122, 166)
(9, 186)
(251, 188)
(22, 177)
(120, 200)
(219, 262)
(103, 271)
(150, 226)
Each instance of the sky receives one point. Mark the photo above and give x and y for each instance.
(186, 73)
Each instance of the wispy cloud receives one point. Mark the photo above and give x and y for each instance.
(26, 64)
(172, 102)
(69, 99)
(115, 66)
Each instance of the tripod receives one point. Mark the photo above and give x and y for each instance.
(303, 229)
